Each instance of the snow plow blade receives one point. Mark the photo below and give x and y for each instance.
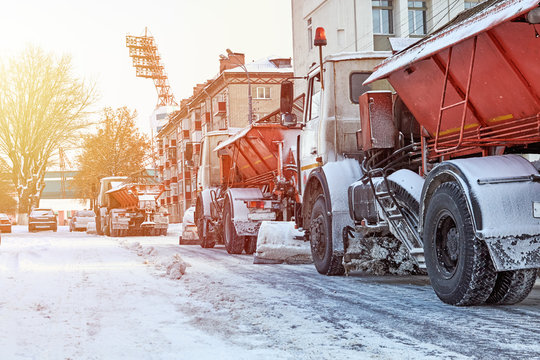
(279, 242)
(189, 236)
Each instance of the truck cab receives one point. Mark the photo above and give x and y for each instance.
(331, 115)
(328, 155)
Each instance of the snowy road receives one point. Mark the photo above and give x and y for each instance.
(77, 296)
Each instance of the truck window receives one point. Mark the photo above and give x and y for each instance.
(314, 97)
(355, 85)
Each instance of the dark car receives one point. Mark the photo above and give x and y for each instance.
(42, 219)
(5, 223)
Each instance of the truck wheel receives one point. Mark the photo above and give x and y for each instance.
(112, 232)
(320, 238)
(250, 244)
(107, 229)
(206, 241)
(233, 243)
(512, 287)
(458, 263)
(99, 230)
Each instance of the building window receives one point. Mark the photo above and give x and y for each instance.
(310, 34)
(417, 17)
(472, 3)
(262, 92)
(382, 17)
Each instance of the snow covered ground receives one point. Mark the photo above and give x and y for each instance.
(77, 296)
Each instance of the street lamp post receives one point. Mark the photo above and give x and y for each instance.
(230, 55)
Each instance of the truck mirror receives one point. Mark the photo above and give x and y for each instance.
(288, 120)
(287, 93)
(533, 17)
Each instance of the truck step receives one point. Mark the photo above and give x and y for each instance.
(394, 217)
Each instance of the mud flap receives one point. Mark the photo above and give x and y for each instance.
(513, 253)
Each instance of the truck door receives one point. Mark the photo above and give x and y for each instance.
(309, 144)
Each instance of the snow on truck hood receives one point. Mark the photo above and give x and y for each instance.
(481, 19)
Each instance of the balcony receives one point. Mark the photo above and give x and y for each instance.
(221, 108)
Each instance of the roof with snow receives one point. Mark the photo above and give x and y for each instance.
(271, 64)
(464, 26)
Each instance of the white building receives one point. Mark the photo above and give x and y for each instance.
(160, 117)
(363, 25)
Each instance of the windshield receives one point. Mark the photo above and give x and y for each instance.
(85, 213)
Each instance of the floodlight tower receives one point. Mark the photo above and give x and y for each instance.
(146, 61)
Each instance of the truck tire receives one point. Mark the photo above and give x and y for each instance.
(512, 287)
(233, 243)
(99, 230)
(207, 242)
(320, 238)
(250, 244)
(107, 229)
(458, 263)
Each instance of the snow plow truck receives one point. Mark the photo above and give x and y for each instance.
(257, 182)
(443, 161)
(129, 208)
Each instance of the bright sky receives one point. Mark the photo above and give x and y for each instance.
(190, 35)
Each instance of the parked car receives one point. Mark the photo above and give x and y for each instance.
(5, 223)
(80, 219)
(40, 219)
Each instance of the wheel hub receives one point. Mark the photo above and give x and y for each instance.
(447, 245)
(452, 243)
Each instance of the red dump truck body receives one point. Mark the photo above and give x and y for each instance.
(474, 82)
(259, 155)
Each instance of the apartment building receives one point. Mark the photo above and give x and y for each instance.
(220, 104)
(363, 25)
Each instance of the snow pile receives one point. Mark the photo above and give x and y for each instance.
(276, 243)
(379, 255)
(176, 267)
(173, 265)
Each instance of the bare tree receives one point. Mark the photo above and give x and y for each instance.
(42, 107)
(117, 149)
